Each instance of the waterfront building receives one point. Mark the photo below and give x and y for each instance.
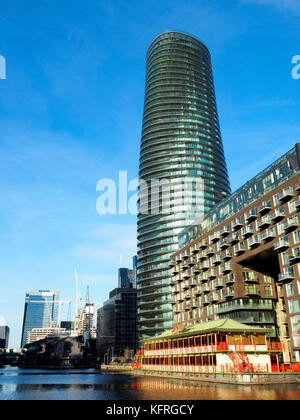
(4, 337)
(242, 260)
(218, 351)
(41, 311)
(182, 165)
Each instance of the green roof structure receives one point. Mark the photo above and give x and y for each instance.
(219, 326)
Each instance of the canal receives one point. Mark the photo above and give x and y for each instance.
(18, 384)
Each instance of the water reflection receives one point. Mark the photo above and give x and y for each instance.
(92, 385)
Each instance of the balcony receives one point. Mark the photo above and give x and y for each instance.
(203, 244)
(206, 289)
(282, 245)
(264, 222)
(187, 274)
(212, 274)
(204, 301)
(226, 268)
(286, 194)
(226, 255)
(287, 276)
(265, 207)
(205, 265)
(202, 256)
(278, 214)
(268, 235)
(194, 304)
(223, 245)
(297, 203)
(214, 237)
(196, 269)
(251, 215)
(203, 278)
(195, 249)
(291, 224)
(178, 259)
(214, 298)
(217, 260)
(175, 271)
(294, 256)
(185, 285)
(187, 295)
(225, 231)
(233, 239)
(185, 266)
(247, 231)
(237, 224)
(250, 278)
(171, 264)
(228, 293)
(210, 252)
(297, 187)
(191, 262)
(252, 291)
(229, 280)
(193, 283)
(198, 292)
(218, 284)
(239, 249)
(254, 242)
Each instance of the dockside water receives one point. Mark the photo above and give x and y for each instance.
(91, 384)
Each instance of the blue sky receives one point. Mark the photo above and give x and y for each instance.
(71, 114)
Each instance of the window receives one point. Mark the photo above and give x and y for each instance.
(280, 228)
(267, 279)
(268, 291)
(294, 306)
(297, 236)
(285, 258)
(290, 290)
(292, 206)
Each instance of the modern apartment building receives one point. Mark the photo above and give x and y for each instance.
(182, 165)
(41, 311)
(242, 260)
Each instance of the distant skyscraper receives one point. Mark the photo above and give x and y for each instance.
(41, 311)
(125, 276)
(4, 337)
(181, 146)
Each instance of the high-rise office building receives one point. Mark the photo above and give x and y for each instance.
(4, 337)
(41, 311)
(125, 277)
(117, 326)
(182, 165)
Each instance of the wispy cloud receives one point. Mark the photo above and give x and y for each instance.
(290, 5)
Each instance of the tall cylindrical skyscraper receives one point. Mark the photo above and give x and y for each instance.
(182, 165)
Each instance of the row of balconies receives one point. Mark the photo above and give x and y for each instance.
(224, 245)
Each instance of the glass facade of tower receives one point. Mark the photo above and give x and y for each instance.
(41, 311)
(181, 150)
